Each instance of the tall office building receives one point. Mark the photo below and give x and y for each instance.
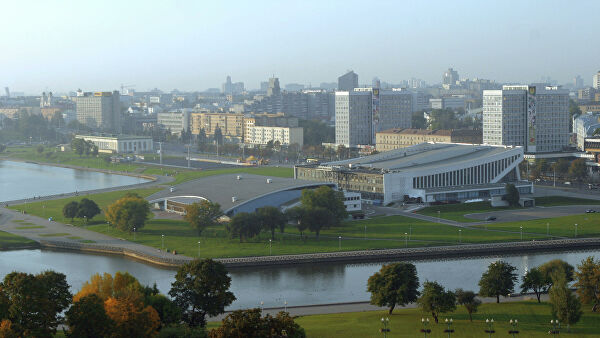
(361, 113)
(274, 88)
(232, 88)
(99, 110)
(596, 80)
(450, 77)
(535, 117)
(348, 81)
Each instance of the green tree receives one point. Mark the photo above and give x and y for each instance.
(561, 167)
(588, 282)
(168, 312)
(70, 210)
(498, 280)
(202, 214)
(565, 305)
(36, 301)
(2, 147)
(249, 323)
(128, 212)
(418, 121)
(467, 298)
(436, 300)
(218, 135)
(548, 268)
(395, 284)
(79, 146)
(271, 218)
(534, 280)
(244, 225)
(87, 318)
(201, 288)
(512, 195)
(316, 132)
(39, 149)
(87, 209)
(326, 198)
(578, 169)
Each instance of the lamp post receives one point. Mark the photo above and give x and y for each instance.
(285, 306)
(134, 234)
(575, 229)
(438, 216)
(262, 305)
(449, 329)
(521, 233)
(339, 242)
(365, 231)
(107, 226)
(513, 331)
(406, 240)
(85, 219)
(162, 242)
(459, 236)
(490, 329)
(425, 323)
(555, 328)
(198, 249)
(270, 247)
(385, 322)
(410, 232)
(548, 229)
(44, 210)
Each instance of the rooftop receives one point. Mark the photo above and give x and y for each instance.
(424, 156)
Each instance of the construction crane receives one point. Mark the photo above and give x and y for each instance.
(126, 86)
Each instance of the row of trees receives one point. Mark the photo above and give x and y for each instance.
(83, 147)
(119, 306)
(397, 284)
(563, 168)
(85, 208)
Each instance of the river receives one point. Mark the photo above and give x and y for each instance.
(20, 180)
(298, 285)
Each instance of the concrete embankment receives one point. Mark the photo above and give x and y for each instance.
(366, 256)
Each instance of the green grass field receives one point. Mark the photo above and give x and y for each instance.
(456, 212)
(10, 241)
(534, 321)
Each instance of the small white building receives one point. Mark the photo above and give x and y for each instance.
(352, 201)
(121, 144)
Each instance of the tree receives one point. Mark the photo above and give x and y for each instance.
(578, 169)
(87, 209)
(2, 147)
(548, 268)
(70, 210)
(249, 323)
(39, 149)
(87, 318)
(565, 306)
(6, 329)
(588, 282)
(271, 218)
(128, 212)
(418, 120)
(436, 300)
(36, 301)
(395, 284)
(534, 280)
(79, 146)
(326, 198)
(202, 214)
(201, 288)
(167, 311)
(467, 298)
(561, 167)
(498, 280)
(218, 135)
(316, 132)
(512, 195)
(244, 225)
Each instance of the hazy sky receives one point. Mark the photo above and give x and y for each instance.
(193, 45)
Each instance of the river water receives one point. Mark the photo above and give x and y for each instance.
(298, 285)
(19, 180)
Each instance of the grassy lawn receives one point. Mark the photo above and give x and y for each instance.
(10, 241)
(181, 175)
(456, 212)
(534, 321)
(588, 225)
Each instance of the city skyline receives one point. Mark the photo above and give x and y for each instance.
(192, 46)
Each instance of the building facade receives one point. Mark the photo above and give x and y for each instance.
(584, 127)
(348, 81)
(99, 110)
(175, 121)
(231, 125)
(596, 80)
(121, 144)
(399, 138)
(535, 117)
(261, 135)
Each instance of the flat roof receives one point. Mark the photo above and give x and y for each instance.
(221, 188)
(117, 137)
(424, 156)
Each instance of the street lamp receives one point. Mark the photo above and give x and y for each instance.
(410, 232)
(575, 229)
(340, 242)
(365, 231)
(513, 330)
(85, 219)
(521, 233)
(107, 226)
(555, 328)
(134, 234)
(385, 322)
(406, 239)
(490, 329)
(459, 236)
(198, 249)
(162, 242)
(547, 229)
(449, 329)
(438, 215)
(262, 305)
(425, 323)
(270, 247)
(285, 306)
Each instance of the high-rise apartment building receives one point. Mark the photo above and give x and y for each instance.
(596, 80)
(450, 77)
(535, 117)
(274, 88)
(348, 81)
(361, 113)
(231, 125)
(99, 110)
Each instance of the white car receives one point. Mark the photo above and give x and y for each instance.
(172, 189)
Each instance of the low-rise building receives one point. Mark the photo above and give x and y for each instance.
(261, 135)
(400, 138)
(584, 126)
(352, 201)
(120, 144)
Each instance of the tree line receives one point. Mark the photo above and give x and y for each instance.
(397, 285)
(119, 306)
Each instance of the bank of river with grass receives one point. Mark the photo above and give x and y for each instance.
(9, 241)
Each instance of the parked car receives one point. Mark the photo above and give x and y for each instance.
(590, 211)
(567, 183)
(491, 218)
(172, 189)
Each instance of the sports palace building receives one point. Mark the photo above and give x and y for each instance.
(425, 172)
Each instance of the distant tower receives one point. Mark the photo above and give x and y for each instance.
(43, 100)
(348, 81)
(49, 100)
(7, 92)
(274, 88)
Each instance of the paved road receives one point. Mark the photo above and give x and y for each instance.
(533, 213)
